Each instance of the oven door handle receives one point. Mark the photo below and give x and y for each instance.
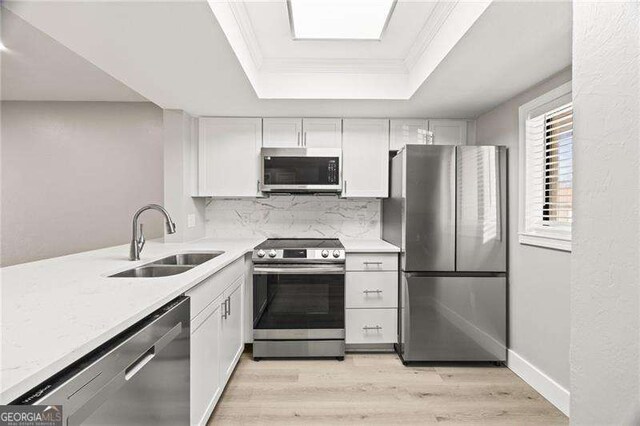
(332, 270)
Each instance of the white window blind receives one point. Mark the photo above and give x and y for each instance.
(548, 174)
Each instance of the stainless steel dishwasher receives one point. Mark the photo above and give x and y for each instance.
(140, 377)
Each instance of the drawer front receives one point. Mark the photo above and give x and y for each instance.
(372, 261)
(371, 326)
(204, 293)
(371, 289)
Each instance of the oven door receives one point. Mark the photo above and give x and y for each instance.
(301, 170)
(298, 301)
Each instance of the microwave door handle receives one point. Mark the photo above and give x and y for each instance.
(298, 138)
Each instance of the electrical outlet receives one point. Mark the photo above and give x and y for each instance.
(191, 220)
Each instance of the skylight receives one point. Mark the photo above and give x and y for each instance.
(339, 19)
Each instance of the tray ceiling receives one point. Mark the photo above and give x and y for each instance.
(175, 54)
(418, 37)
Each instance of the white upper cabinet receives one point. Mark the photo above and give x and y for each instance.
(365, 157)
(282, 132)
(302, 133)
(322, 133)
(448, 132)
(408, 131)
(229, 157)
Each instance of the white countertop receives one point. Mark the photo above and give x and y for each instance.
(57, 310)
(368, 246)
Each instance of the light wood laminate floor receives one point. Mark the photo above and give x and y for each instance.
(377, 388)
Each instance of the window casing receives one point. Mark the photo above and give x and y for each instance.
(546, 170)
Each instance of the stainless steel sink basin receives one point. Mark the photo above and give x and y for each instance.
(152, 271)
(193, 259)
(170, 265)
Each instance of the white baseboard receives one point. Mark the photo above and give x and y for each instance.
(545, 385)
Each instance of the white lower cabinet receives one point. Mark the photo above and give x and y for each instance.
(205, 358)
(371, 326)
(217, 338)
(371, 298)
(231, 336)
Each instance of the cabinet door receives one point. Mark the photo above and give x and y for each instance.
(448, 132)
(365, 157)
(229, 157)
(206, 385)
(282, 132)
(322, 133)
(408, 132)
(232, 343)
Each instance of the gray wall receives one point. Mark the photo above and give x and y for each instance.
(539, 277)
(605, 285)
(73, 174)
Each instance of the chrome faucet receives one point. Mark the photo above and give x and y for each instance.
(137, 242)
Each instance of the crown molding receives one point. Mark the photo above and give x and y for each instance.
(334, 65)
(431, 27)
(241, 16)
(433, 24)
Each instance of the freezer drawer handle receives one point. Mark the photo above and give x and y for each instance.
(372, 263)
(372, 291)
(138, 364)
(367, 328)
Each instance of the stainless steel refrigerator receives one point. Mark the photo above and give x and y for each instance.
(447, 211)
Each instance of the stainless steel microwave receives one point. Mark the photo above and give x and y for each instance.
(296, 170)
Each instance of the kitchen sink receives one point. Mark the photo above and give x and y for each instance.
(152, 271)
(192, 259)
(170, 265)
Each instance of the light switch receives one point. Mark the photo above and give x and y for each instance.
(191, 220)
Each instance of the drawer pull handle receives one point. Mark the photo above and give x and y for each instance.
(367, 328)
(372, 291)
(372, 263)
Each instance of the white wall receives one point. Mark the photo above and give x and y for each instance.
(294, 216)
(539, 278)
(73, 174)
(180, 139)
(605, 284)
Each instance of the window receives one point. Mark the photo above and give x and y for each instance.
(546, 172)
(339, 19)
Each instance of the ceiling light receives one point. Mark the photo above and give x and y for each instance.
(339, 19)
(3, 48)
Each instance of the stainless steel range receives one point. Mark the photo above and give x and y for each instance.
(298, 298)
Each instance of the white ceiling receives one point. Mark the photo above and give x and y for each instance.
(419, 36)
(38, 68)
(176, 55)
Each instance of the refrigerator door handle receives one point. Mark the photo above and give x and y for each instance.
(498, 187)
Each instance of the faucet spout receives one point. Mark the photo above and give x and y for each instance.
(137, 240)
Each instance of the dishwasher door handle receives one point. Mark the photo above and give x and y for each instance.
(139, 363)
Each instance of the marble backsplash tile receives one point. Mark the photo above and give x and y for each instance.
(293, 216)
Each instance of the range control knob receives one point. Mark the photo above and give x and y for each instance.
(336, 253)
(260, 253)
(272, 253)
(325, 253)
